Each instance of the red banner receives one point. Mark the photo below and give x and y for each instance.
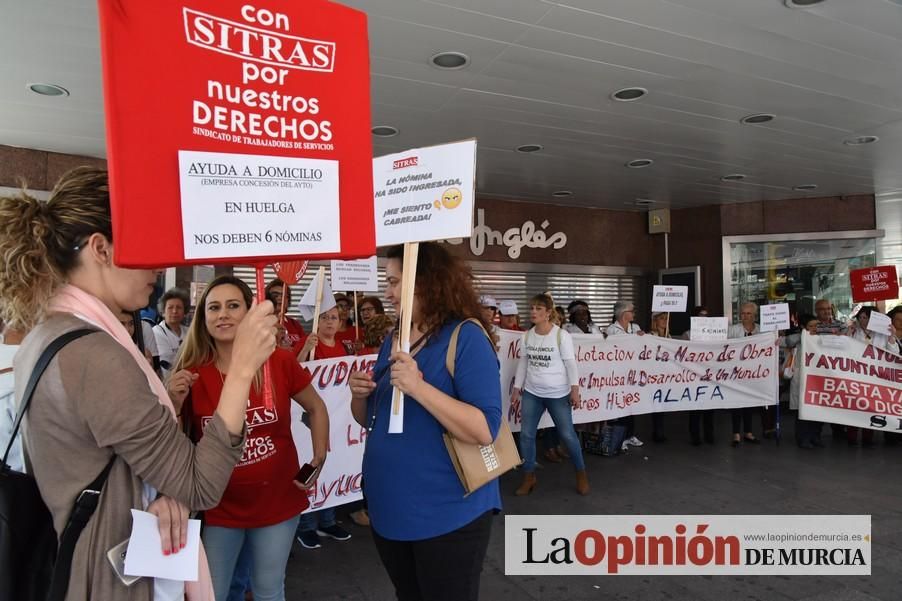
(237, 132)
(874, 283)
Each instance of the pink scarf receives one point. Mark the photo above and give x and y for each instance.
(87, 307)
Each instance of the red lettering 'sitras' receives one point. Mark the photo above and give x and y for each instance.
(158, 61)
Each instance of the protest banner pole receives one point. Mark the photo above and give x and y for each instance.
(778, 430)
(356, 318)
(408, 284)
(282, 305)
(667, 327)
(320, 281)
(268, 402)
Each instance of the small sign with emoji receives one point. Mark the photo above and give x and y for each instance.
(425, 193)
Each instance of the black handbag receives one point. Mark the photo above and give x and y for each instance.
(33, 567)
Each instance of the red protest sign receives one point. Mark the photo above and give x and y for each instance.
(874, 283)
(290, 272)
(237, 132)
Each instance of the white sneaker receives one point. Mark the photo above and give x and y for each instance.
(632, 440)
(624, 447)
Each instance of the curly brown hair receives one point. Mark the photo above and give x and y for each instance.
(40, 242)
(444, 286)
(374, 332)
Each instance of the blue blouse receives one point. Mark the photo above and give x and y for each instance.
(412, 490)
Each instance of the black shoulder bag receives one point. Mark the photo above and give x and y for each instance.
(32, 566)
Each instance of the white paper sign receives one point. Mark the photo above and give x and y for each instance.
(774, 317)
(671, 299)
(425, 193)
(144, 556)
(708, 328)
(879, 323)
(241, 205)
(307, 304)
(359, 276)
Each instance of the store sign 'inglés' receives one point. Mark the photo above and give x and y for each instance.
(515, 239)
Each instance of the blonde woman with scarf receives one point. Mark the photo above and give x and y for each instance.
(100, 399)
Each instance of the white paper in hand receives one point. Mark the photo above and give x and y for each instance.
(308, 303)
(144, 556)
(880, 323)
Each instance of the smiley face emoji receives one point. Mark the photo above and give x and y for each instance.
(451, 198)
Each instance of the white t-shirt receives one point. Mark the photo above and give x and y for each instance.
(168, 343)
(737, 330)
(874, 338)
(8, 408)
(574, 329)
(150, 341)
(542, 369)
(615, 329)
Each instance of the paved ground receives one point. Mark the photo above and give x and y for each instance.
(675, 479)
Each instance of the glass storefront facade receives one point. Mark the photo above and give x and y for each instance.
(797, 269)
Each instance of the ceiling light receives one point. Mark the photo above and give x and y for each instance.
(450, 60)
(733, 177)
(385, 131)
(529, 148)
(48, 89)
(859, 140)
(645, 202)
(801, 3)
(804, 187)
(639, 163)
(629, 94)
(562, 193)
(757, 119)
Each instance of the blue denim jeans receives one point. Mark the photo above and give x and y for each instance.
(268, 547)
(241, 577)
(316, 519)
(531, 409)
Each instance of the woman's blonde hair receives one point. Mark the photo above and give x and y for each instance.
(199, 348)
(40, 241)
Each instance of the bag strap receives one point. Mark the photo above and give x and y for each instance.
(43, 361)
(85, 505)
(451, 355)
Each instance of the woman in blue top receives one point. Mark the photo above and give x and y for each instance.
(431, 538)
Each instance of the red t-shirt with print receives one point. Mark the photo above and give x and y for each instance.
(295, 334)
(324, 351)
(261, 490)
(348, 339)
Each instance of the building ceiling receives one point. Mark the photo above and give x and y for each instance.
(543, 72)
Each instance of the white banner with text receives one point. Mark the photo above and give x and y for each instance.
(845, 381)
(339, 480)
(620, 376)
(632, 375)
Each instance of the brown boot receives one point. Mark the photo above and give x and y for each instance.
(582, 482)
(529, 483)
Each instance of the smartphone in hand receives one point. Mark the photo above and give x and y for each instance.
(116, 555)
(306, 475)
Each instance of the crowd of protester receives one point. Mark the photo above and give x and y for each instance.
(181, 439)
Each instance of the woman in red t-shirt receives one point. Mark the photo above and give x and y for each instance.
(262, 502)
(347, 334)
(291, 333)
(324, 340)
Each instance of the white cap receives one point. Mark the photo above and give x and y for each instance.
(488, 301)
(508, 307)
